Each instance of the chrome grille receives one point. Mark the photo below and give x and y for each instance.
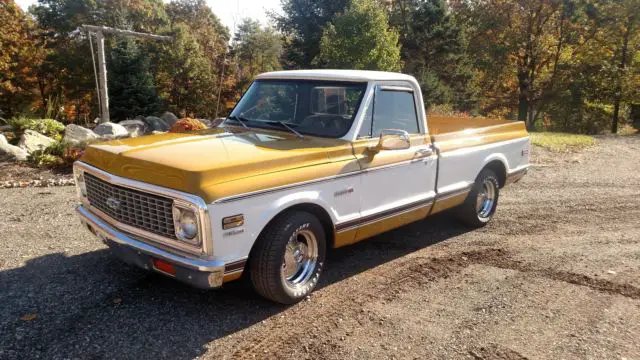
(135, 208)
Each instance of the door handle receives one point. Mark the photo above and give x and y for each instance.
(425, 152)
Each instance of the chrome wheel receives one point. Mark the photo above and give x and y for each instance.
(300, 258)
(486, 199)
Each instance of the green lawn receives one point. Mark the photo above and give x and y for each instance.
(562, 141)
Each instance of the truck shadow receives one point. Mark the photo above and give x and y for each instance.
(93, 306)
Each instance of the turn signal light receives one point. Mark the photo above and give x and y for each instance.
(164, 266)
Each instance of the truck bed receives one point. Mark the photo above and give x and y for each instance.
(451, 132)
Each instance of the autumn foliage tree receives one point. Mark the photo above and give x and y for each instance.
(20, 58)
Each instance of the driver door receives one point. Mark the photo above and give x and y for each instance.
(398, 186)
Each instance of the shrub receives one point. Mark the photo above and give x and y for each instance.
(47, 127)
(41, 159)
(56, 155)
(187, 124)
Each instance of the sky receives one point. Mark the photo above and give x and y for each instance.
(229, 11)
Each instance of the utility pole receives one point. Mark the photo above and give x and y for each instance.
(102, 79)
(99, 31)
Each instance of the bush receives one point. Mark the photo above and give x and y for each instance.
(57, 155)
(47, 127)
(187, 124)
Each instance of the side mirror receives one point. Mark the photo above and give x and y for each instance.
(392, 139)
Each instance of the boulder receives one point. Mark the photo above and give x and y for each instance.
(111, 130)
(77, 134)
(154, 123)
(10, 152)
(135, 128)
(31, 141)
(169, 117)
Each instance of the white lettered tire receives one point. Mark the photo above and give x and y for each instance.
(287, 260)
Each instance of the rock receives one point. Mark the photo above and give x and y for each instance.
(31, 141)
(10, 152)
(169, 118)
(77, 134)
(111, 130)
(135, 128)
(156, 124)
(3, 140)
(5, 128)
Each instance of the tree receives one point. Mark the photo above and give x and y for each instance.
(255, 50)
(360, 39)
(434, 50)
(516, 46)
(66, 77)
(19, 59)
(185, 79)
(622, 29)
(302, 23)
(213, 39)
(132, 89)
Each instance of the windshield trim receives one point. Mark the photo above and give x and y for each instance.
(251, 123)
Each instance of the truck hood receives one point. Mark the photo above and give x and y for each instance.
(196, 162)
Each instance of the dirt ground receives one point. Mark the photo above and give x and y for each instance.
(556, 275)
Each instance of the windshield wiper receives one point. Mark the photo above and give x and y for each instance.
(286, 126)
(239, 119)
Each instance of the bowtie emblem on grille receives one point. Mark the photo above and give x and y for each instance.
(114, 204)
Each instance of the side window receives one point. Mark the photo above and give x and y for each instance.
(365, 129)
(395, 110)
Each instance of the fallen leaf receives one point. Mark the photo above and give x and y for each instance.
(29, 317)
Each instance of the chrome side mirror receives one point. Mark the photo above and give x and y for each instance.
(392, 139)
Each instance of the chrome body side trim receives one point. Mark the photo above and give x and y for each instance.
(453, 192)
(349, 225)
(180, 198)
(315, 181)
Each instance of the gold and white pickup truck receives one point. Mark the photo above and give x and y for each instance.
(308, 160)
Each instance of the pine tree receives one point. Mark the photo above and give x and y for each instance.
(132, 89)
(434, 50)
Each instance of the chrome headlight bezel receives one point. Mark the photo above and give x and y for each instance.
(81, 186)
(186, 220)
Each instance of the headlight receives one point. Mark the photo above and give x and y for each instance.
(81, 187)
(186, 224)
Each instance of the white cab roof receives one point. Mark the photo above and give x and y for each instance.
(339, 75)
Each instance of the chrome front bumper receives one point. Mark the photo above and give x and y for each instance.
(200, 273)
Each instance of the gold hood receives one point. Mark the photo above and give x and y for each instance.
(198, 162)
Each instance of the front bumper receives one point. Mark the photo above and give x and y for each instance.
(205, 274)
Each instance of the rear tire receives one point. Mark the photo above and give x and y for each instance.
(482, 201)
(288, 258)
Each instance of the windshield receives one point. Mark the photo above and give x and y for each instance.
(316, 108)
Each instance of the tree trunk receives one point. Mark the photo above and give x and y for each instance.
(621, 66)
(523, 97)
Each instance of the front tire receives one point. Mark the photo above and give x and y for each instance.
(482, 201)
(288, 258)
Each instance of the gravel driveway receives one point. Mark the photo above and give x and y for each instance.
(555, 275)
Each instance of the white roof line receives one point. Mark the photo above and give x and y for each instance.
(344, 75)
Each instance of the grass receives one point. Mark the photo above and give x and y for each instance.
(562, 142)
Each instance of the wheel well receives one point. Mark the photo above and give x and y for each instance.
(498, 167)
(314, 209)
